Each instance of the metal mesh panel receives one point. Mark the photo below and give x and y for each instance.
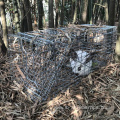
(51, 59)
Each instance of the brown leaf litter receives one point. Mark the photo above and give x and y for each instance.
(96, 97)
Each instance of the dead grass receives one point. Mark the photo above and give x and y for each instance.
(96, 97)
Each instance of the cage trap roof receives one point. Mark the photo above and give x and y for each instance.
(49, 35)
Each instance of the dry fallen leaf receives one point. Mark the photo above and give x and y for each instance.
(9, 118)
(34, 107)
(111, 109)
(67, 93)
(79, 97)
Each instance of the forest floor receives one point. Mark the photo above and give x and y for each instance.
(96, 97)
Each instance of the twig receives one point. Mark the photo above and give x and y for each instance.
(21, 73)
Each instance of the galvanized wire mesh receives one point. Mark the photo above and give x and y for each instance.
(43, 60)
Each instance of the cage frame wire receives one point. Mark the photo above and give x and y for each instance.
(71, 35)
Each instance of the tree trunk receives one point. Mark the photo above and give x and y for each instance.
(11, 20)
(57, 12)
(51, 15)
(90, 2)
(84, 6)
(34, 12)
(3, 49)
(28, 14)
(117, 49)
(79, 10)
(40, 14)
(75, 12)
(118, 9)
(62, 13)
(4, 26)
(72, 9)
(3, 43)
(112, 13)
(106, 11)
(24, 25)
(17, 23)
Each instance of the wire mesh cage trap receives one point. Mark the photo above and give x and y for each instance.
(47, 61)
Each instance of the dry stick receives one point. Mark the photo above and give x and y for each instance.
(101, 79)
(21, 73)
(23, 76)
(112, 65)
(101, 82)
(116, 99)
(116, 105)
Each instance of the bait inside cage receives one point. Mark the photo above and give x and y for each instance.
(52, 59)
